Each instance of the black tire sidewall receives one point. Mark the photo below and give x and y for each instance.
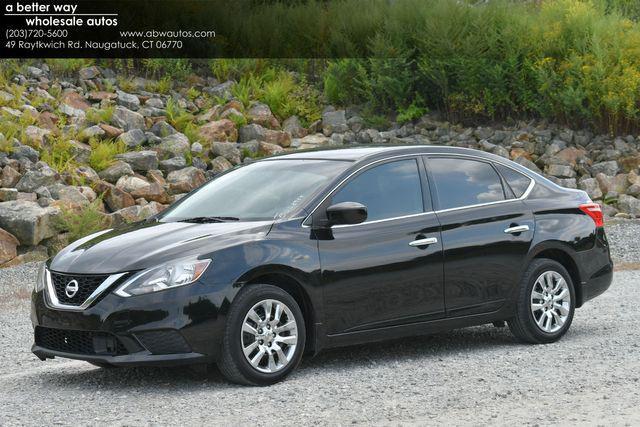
(541, 267)
(251, 296)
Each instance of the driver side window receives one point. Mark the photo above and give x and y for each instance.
(389, 190)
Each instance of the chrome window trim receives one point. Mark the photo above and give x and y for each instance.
(51, 299)
(528, 191)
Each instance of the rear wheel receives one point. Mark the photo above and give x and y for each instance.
(546, 303)
(264, 336)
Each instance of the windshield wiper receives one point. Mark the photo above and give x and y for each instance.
(206, 219)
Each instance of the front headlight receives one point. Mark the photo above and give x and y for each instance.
(42, 271)
(165, 276)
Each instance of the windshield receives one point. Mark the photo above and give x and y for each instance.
(260, 191)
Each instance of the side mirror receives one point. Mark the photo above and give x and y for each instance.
(346, 213)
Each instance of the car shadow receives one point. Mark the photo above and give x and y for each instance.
(430, 348)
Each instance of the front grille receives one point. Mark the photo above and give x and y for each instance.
(87, 284)
(167, 341)
(79, 342)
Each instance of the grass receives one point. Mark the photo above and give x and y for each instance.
(96, 116)
(59, 155)
(80, 223)
(103, 153)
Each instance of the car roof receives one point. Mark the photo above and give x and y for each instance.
(358, 153)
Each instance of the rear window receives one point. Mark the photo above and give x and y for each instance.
(517, 181)
(463, 182)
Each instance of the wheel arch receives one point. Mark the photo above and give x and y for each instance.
(290, 281)
(562, 255)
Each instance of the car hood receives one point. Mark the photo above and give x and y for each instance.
(144, 245)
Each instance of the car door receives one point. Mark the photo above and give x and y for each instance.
(387, 270)
(486, 233)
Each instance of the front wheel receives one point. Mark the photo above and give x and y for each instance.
(264, 336)
(546, 303)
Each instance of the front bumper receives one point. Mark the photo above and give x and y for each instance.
(172, 327)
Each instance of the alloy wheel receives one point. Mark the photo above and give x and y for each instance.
(550, 301)
(269, 336)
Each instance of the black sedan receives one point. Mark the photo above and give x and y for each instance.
(302, 252)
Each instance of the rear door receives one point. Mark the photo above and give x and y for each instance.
(486, 233)
(386, 271)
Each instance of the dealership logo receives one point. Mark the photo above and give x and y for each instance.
(71, 289)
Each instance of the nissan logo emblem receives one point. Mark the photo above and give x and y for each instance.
(71, 289)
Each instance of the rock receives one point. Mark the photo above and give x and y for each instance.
(10, 177)
(35, 135)
(590, 185)
(154, 103)
(88, 73)
(560, 171)
(74, 103)
(627, 204)
(133, 138)
(630, 163)
(220, 164)
(564, 182)
(68, 193)
(8, 246)
(81, 152)
(313, 141)
(185, 180)
(27, 221)
(127, 119)
(609, 168)
(141, 161)
(8, 194)
(219, 130)
(197, 148)
(163, 129)
(355, 123)
(35, 178)
(138, 188)
(110, 131)
(267, 149)
(29, 197)
(571, 155)
(25, 152)
(173, 164)
(115, 171)
(87, 173)
(334, 121)
(261, 114)
(127, 100)
(223, 90)
(91, 132)
(88, 193)
(293, 126)
(100, 95)
(226, 150)
(527, 164)
(634, 190)
(173, 146)
(259, 133)
(114, 198)
(617, 184)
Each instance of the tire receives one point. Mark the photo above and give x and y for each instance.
(528, 324)
(251, 301)
(103, 365)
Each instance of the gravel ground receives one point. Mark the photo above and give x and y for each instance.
(466, 377)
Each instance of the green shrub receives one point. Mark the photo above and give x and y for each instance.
(80, 223)
(103, 153)
(68, 66)
(96, 116)
(177, 116)
(59, 155)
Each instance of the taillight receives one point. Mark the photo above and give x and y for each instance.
(594, 211)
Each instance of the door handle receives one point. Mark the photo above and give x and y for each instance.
(517, 229)
(424, 242)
